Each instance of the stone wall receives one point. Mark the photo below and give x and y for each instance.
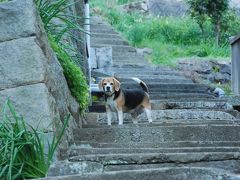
(31, 76)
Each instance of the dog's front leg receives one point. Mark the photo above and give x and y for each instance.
(120, 117)
(109, 116)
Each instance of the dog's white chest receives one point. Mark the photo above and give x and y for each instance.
(112, 104)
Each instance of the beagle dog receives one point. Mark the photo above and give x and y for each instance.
(122, 100)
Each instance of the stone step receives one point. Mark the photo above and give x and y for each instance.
(164, 115)
(108, 41)
(149, 72)
(163, 122)
(162, 80)
(135, 58)
(80, 151)
(102, 26)
(180, 86)
(150, 158)
(83, 170)
(178, 96)
(94, 120)
(206, 104)
(168, 144)
(119, 48)
(120, 64)
(103, 31)
(130, 61)
(170, 104)
(104, 35)
(227, 165)
(158, 133)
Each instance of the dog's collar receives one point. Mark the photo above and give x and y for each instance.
(116, 94)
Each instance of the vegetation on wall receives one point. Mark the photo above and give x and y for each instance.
(60, 26)
(18, 139)
(170, 38)
(74, 76)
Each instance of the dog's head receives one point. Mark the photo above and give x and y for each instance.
(109, 85)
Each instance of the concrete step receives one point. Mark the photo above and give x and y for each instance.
(78, 151)
(150, 158)
(119, 48)
(179, 116)
(103, 31)
(149, 72)
(164, 122)
(177, 96)
(108, 41)
(173, 86)
(102, 26)
(171, 104)
(121, 64)
(199, 104)
(82, 170)
(104, 35)
(135, 58)
(227, 165)
(130, 61)
(168, 144)
(158, 134)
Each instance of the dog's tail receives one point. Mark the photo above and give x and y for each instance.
(141, 83)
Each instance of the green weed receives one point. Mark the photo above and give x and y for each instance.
(170, 37)
(58, 33)
(22, 147)
(74, 76)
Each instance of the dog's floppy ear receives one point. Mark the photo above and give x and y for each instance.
(100, 84)
(116, 85)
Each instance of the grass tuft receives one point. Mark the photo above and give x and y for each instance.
(22, 147)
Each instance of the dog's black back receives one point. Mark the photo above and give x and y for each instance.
(133, 97)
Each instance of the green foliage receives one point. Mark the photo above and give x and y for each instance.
(74, 76)
(56, 11)
(212, 9)
(172, 37)
(22, 147)
(50, 12)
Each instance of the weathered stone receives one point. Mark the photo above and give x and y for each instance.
(22, 63)
(18, 19)
(144, 51)
(62, 168)
(167, 8)
(104, 57)
(28, 62)
(93, 59)
(34, 103)
(166, 173)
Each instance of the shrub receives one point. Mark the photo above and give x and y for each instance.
(214, 10)
(136, 34)
(22, 147)
(50, 11)
(74, 76)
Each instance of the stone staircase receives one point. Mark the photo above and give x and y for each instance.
(194, 135)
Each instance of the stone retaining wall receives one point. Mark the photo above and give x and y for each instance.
(31, 76)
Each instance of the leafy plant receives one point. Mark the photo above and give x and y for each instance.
(74, 76)
(214, 10)
(22, 147)
(60, 27)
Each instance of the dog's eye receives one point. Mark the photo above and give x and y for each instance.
(111, 83)
(104, 84)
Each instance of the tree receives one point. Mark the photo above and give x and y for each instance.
(214, 9)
